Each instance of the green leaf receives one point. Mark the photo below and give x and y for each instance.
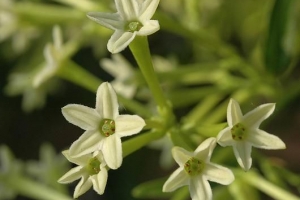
(276, 59)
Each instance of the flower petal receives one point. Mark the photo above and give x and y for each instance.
(128, 9)
(148, 9)
(106, 101)
(218, 174)
(112, 151)
(200, 189)
(234, 113)
(127, 125)
(84, 185)
(254, 118)
(108, 20)
(177, 179)
(82, 116)
(86, 143)
(119, 41)
(261, 139)
(181, 156)
(205, 149)
(72, 175)
(242, 152)
(149, 27)
(82, 160)
(224, 137)
(99, 181)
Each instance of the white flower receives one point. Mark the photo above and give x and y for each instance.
(104, 126)
(91, 169)
(132, 18)
(52, 56)
(243, 132)
(195, 170)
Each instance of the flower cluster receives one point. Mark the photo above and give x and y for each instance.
(100, 146)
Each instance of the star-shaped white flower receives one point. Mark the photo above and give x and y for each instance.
(243, 132)
(132, 18)
(104, 126)
(91, 169)
(195, 170)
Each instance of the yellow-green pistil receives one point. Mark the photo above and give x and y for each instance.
(238, 132)
(194, 166)
(107, 127)
(93, 166)
(133, 26)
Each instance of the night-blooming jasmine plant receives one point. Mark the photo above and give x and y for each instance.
(243, 132)
(92, 171)
(104, 126)
(132, 18)
(195, 170)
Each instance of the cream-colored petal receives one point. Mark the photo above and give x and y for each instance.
(84, 185)
(57, 37)
(200, 189)
(255, 117)
(119, 41)
(224, 137)
(128, 9)
(218, 174)
(81, 116)
(112, 151)
(107, 102)
(205, 149)
(181, 156)
(87, 143)
(149, 27)
(261, 139)
(148, 9)
(177, 179)
(82, 160)
(242, 151)
(112, 21)
(99, 181)
(72, 175)
(234, 113)
(127, 125)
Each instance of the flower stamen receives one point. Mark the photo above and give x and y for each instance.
(238, 132)
(93, 167)
(194, 166)
(133, 26)
(107, 127)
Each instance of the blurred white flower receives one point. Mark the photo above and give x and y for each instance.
(243, 132)
(91, 171)
(132, 18)
(104, 126)
(195, 170)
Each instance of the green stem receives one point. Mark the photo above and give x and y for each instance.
(140, 50)
(32, 189)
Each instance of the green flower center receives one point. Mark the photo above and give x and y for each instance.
(93, 167)
(194, 166)
(107, 127)
(238, 132)
(133, 26)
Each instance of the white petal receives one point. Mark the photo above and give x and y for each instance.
(82, 160)
(148, 9)
(218, 174)
(72, 175)
(99, 181)
(224, 137)
(127, 125)
(234, 113)
(200, 189)
(82, 116)
(108, 20)
(112, 151)
(177, 179)
(149, 27)
(84, 185)
(242, 152)
(106, 102)
(254, 118)
(181, 156)
(57, 37)
(205, 149)
(119, 41)
(261, 139)
(128, 9)
(86, 143)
